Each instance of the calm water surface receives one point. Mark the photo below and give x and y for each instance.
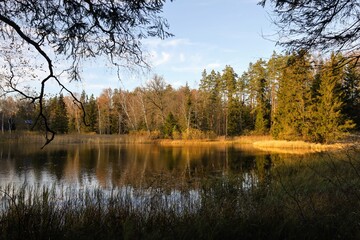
(136, 165)
(174, 177)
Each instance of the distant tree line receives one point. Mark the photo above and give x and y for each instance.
(293, 96)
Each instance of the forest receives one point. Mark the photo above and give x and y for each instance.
(293, 96)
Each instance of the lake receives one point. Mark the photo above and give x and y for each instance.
(138, 171)
(136, 165)
(212, 191)
(176, 174)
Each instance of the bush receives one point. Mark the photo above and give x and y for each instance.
(192, 133)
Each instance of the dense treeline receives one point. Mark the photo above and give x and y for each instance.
(293, 96)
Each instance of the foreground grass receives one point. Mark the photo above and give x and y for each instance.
(296, 200)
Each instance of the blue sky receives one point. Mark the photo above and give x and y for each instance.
(209, 34)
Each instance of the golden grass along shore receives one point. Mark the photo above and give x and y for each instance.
(283, 144)
(264, 143)
(219, 140)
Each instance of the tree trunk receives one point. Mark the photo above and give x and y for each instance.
(144, 112)
(2, 123)
(119, 120)
(99, 116)
(10, 123)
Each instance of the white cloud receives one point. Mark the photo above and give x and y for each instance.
(160, 59)
(182, 57)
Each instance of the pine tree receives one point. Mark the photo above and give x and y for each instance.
(209, 89)
(259, 91)
(234, 117)
(274, 72)
(231, 99)
(246, 102)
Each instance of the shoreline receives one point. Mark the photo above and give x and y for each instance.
(266, 144)
(262, 142)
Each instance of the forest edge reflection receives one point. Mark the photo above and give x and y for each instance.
(140, 165)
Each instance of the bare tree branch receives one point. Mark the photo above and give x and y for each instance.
(313, 25)
(73, 31)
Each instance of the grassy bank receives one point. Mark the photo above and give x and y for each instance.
(218, 140)
(302, 200)
(265, 143)
(30, 137)
(282, 146)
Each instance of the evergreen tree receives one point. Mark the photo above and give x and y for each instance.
(25, 115)
(274, 71)
(233, 106)
(293, 98)
(171, 125)
(118, 116)
(246, 101)
(60, 119)
(190, 116)
(91, 114)
(234, 126)
(350, 88)
(259, 90)
(209, 115)
(328, 123)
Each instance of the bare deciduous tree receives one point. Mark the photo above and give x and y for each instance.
(42, 35)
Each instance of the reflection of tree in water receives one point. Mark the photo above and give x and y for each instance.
(239, 161)
(101, 168)
(140, 166)
(72, 167)
(57, 163)
(263, 165)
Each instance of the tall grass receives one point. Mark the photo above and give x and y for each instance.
(282, 144)
(33, 137)
(302, 200)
